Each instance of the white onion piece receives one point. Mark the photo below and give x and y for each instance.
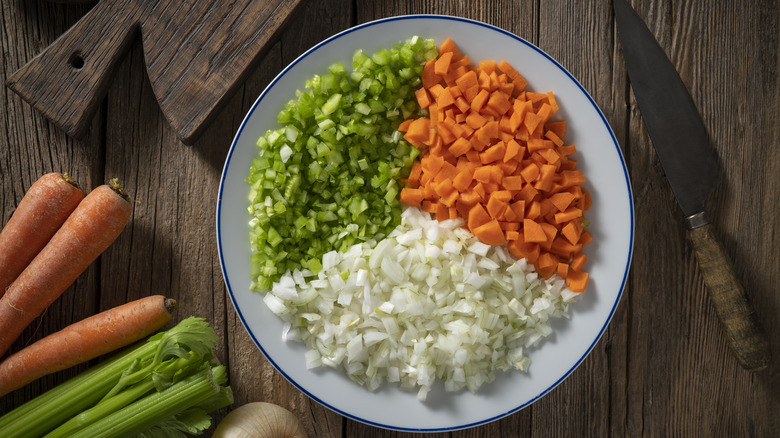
(429, 302)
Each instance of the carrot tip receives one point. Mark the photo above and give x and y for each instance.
(70, 180)
(116, 187)
(170, 305)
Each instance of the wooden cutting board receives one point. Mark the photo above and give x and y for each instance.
(196, 53)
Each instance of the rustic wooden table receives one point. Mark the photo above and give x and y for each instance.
(662, 368)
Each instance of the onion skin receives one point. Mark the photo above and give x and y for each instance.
(260, 420)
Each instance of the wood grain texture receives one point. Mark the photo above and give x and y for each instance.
(663, 367)
(196, 53)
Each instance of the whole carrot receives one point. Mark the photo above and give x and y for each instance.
(88, 231)
(40, 213)
(85, 340)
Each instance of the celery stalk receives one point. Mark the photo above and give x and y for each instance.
(159, 406)
(155, 364)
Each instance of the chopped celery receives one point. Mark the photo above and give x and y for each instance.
(334, 161)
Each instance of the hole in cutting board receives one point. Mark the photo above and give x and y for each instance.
(76, 60)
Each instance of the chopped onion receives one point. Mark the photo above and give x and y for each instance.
(428, 302)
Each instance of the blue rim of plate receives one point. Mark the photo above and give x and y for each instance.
(518, 39)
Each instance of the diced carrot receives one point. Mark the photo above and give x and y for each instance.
(475, 120)
(569, 214)
(577, 281)
(423, 98)
(563, 270)
(558, 127)
(487, 66)
(418, 131)
(404, 126)
(533, 231)
(429, 76)
(490, 233)
(562, 200)
(460, 146)
(572, 231)
(413, 197)
(493, 153)
(585, 238)
(463, 180)
(499, 101)
(449, 46)
(495, 206)
(508, 69)
(477, 216)
(578, 261)
(442, 64)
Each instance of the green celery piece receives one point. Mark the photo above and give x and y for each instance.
(159, 407)
(50, 409)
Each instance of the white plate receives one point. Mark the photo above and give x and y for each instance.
(611, 218)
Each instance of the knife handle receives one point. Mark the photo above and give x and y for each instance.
(67, 81)
(737, 317)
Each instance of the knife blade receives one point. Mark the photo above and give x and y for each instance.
(680, 139)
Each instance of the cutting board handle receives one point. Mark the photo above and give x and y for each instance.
(737, 317)
(67, 81)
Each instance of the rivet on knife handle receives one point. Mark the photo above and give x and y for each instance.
(737, 317)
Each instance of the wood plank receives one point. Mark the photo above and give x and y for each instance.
(259, 380)
(29, 147)
(679, 364)
(573, 34)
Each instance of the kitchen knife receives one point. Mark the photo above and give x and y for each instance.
(681, 142)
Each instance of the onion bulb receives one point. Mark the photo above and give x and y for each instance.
(260, 420)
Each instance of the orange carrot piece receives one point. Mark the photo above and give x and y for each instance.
(499, 101)
(429, 76)
(507, 69)
(477, 216)
(493, 153)
(467, 81)
(530, 172)
(569, 214)
(442, 64)
(513, 182)
(563, 269)
(533, 231)
(562, 200)
(578, 261)
(89, 230)
(442, 212)
(85, 340)
(479, 100)
(418, 131)
(460, 146)
(449, 46)
(490, 233)
(577, 281)
(572, 232)
(558, 127)
(423, 98)
(413, 197)
(40, 213)
(495, 206)
(462, 180)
